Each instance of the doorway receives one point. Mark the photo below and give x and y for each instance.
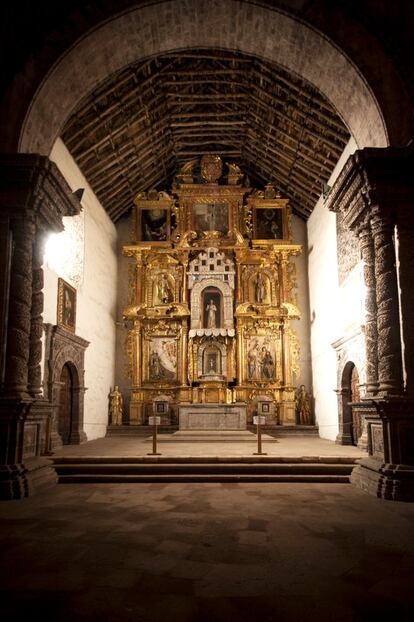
(65, 412)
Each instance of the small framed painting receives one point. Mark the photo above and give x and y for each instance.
(66, 306)
(154, 225)
(269, 223)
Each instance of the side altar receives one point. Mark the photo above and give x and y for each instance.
(212, 298)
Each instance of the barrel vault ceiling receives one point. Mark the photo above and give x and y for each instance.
(135, 131)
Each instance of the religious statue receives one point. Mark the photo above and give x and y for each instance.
(303, 406)
(211, 314)
(115, 407)
(163, 289)
(260, 288)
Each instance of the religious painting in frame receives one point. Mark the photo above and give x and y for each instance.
(154, 225)
(212, 216)
(66, 306)
(162, 359)
(261, 359)
(269, 223)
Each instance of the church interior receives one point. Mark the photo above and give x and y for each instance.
(206, 251)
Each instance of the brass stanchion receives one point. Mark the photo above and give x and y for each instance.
(154, 421)
(258, 421)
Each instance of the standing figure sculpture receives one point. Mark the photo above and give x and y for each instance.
(211, 314)
(260, 288)
(303, 406)
(115, 407)
(163, 289)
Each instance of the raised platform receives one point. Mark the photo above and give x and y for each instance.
(127, 459)
(213, 436)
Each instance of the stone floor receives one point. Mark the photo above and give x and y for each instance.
(206, 553)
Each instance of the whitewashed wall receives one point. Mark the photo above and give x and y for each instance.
(96, 295)
(302, 326)
(334, 310)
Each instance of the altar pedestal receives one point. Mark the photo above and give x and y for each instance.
(212, 417)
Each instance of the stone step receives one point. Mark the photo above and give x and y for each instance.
(202, 478)
(194, 460)
(240, 468)
(101, 470)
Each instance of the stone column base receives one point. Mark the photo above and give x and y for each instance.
(13, 481)
(394, 482)
(23, 480)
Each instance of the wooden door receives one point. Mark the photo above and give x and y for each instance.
(65, 405)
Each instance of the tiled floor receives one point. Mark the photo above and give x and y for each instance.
(206, 553)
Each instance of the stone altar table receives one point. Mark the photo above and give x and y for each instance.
(212, 417)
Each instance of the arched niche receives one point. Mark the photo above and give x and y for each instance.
(253, 288)
(276, 37)
(226, 302)
(212, 308)
(162, 289)
(211, 360)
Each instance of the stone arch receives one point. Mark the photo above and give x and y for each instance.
(63, 348)
(261, 31)
(345, 421)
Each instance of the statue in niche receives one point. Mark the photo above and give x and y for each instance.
(211, 314)
(164, 292)
(115, 407)
(303, 406)
(260, 289)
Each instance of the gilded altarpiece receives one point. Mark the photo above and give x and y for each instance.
(211, 296)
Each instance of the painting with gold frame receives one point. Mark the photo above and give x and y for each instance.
(261, 360)
(162, 356)
(153, 225)
(211, 216)
(269, 223)
(66, 306)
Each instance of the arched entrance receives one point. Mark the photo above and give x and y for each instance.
(65, 412)
(350, 423)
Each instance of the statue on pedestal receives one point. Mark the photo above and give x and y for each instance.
(303, 406)
(115, 407)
